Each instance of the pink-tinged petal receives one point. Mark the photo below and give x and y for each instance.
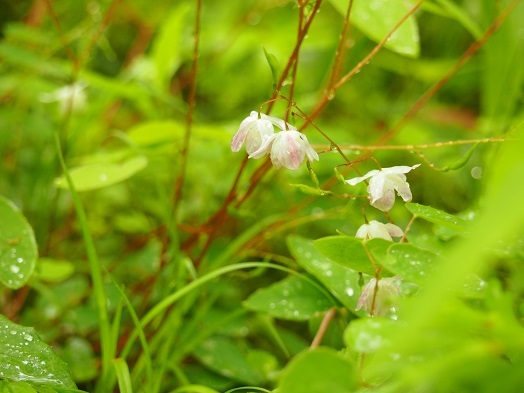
(288, 150)
(356, 180)
(386, 202)
(238, 139)
(394, 230)
(264, 148)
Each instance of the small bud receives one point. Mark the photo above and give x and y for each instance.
(379, 230)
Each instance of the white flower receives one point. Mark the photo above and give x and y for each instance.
(379, 230)
(254, 130)
(387, 291)
(384, 183)
(70, 95)
(287, 149)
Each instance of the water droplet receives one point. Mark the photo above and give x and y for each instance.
(476, 173)
(20, 260)
(102, 177)
(350, 291)
(15, 269)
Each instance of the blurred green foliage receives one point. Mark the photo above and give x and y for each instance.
(112, 81)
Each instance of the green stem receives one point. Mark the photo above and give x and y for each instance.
(94, 266)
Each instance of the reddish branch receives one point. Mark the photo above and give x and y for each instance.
(179, 184)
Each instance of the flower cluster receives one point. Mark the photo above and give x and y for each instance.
(378, 296)
(287, 148)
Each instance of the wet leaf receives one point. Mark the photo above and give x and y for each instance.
(340, 280)
(26, 358)
(226, 357)
(351, 252)
(292, 298)
(18, 250)
(94, 176)
(410, 262)
(436, 216)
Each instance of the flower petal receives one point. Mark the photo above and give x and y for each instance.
(377, 186)
(394, 230)
(394, 170)
(288, 150)
(399, 183)
(264, 148)
(357, 180)
(238, 139)
(311, 154)
(378, 230)
(256, 136)
(386, 201)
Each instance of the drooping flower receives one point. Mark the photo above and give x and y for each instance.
(384, 183)
(287, 149)
(254, 130)
(379, 230)
(387, 291)
(68, 96)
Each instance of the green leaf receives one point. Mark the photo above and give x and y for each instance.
(341, 281)
(155, 133)
(410, 262)
(16, 387)
(169, 48)
(318, 371)
(273, 64)
(226, 357)
(54, 270)
(25, 357)
(94, 176)
(454, 11)
(459, 162)
(292, 298)
(122, 373)
(376, 18)
(18, 250)
(436, 216)
(79, 356)
(350, 251)
(368, 335)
